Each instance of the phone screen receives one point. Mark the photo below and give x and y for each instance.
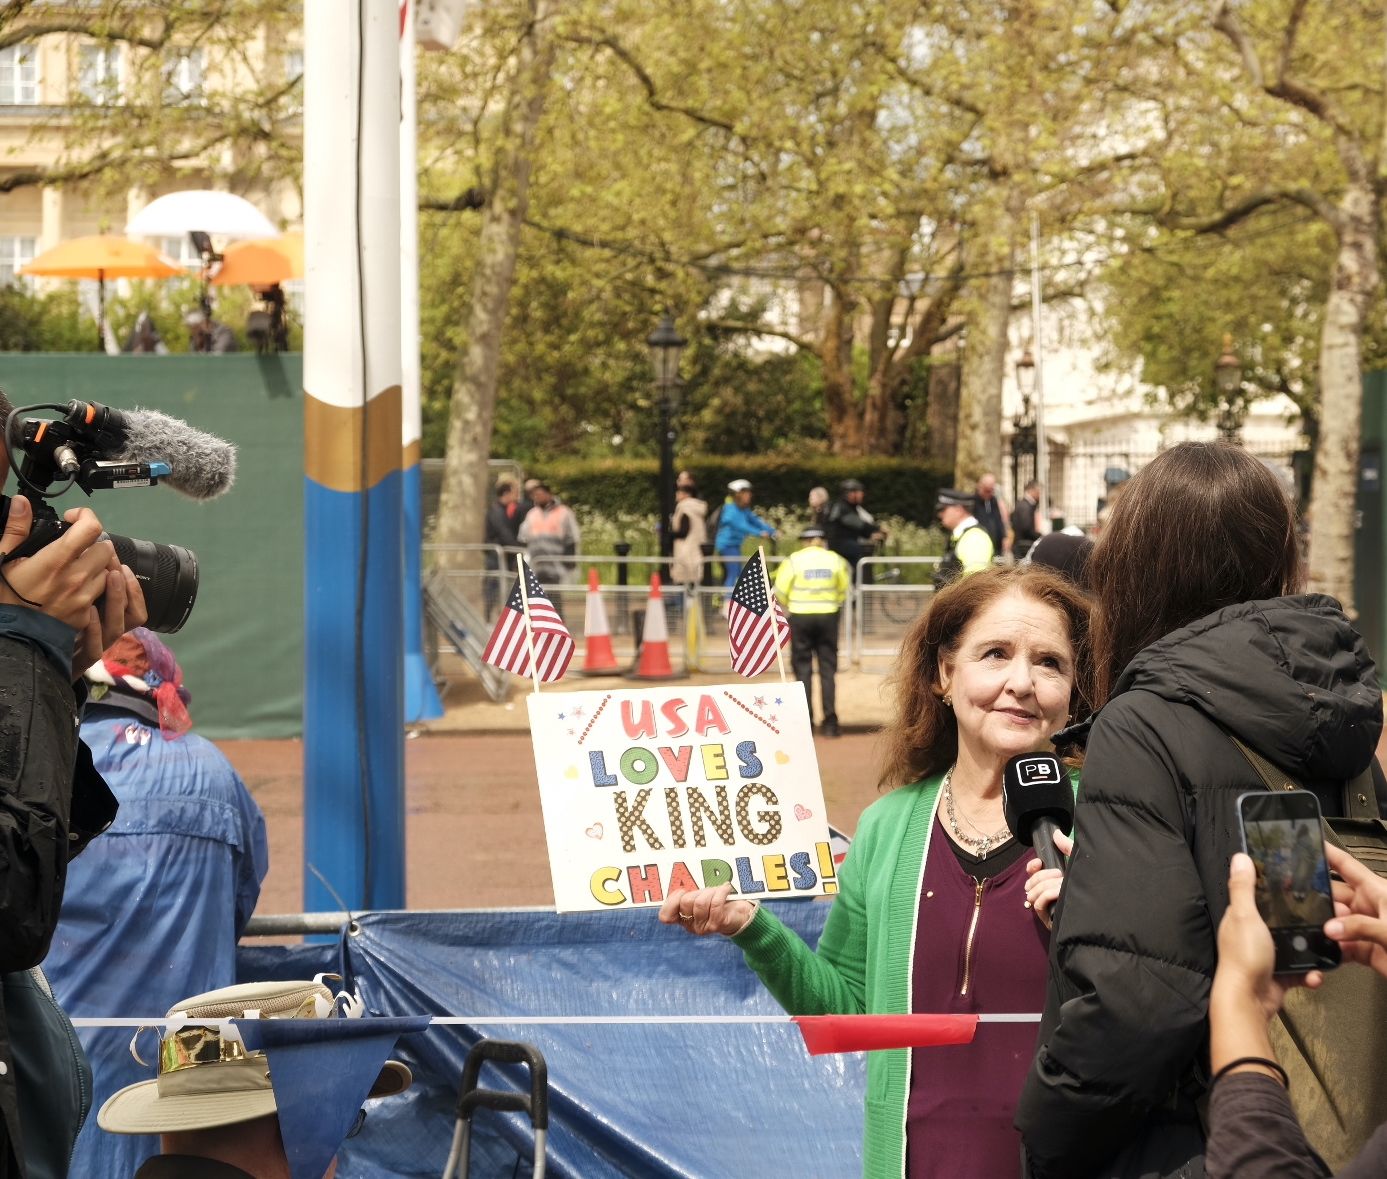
(1282, 833)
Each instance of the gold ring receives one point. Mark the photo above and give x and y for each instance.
(685, 916)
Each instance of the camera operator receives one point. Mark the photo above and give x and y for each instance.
(52, 803)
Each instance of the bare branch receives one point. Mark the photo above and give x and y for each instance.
(1228, 218)
(652, 93)
(1227, 24)
(1285, 87)
(467, 199)
(760, 329)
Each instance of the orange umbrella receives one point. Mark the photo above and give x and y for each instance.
(102, 256)
(262, 261)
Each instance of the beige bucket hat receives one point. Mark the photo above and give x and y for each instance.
(207, 1076)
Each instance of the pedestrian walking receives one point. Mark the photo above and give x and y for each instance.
(736, 523)
(992, 513)
(1025, 521)
(502, 531)
(550, 535)
(690, 524)
(851, 530)
(812, 584)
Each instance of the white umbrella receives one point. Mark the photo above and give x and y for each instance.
(221, 213)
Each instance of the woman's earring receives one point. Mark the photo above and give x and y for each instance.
(948, 701)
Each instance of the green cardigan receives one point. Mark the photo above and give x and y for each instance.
(865, 956)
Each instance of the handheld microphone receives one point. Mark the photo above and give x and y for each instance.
(1038, 801)
(203, 466)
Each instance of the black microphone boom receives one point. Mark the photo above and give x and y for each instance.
(1038, 800)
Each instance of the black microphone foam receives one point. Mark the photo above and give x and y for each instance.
(203, 465)
(1035, 787)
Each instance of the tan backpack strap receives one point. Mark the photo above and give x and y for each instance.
(1275, 779)
(1272, 778)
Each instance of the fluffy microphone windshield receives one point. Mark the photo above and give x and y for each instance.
(204, 466)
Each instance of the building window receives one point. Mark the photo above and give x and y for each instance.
(14, 253)
(19, 76)
(183, 78)
(293, 73)
(98, 74)
(180, 249)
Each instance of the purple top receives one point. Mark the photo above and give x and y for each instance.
(977, 949)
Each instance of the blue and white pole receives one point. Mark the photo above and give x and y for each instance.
(354, 834)
(421, 698)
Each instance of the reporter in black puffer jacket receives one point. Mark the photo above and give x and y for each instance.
(1198, 632)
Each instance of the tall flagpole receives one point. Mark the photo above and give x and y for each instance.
(1042, 464)
(421, 697)
(353, 744)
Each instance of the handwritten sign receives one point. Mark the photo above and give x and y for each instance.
(651, 790)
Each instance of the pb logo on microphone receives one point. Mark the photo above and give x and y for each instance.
(1039, 770)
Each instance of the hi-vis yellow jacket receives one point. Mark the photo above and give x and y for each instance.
(813, 581)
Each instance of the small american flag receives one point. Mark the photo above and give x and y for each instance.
(508, 649)
(756, 625)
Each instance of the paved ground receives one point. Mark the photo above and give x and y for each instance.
(475, 837)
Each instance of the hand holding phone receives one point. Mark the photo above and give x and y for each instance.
(1284, 836)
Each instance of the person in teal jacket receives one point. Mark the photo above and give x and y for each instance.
(736, 522)
(939, 908)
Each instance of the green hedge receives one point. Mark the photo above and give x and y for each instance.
(895, 486)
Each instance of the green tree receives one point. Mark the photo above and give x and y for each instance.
(242, 123)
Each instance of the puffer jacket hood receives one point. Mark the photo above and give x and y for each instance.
(1289, 676)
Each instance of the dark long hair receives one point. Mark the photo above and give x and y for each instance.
(923, 737)
(1203, 526)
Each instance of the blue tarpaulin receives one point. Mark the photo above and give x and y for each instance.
(650, 1100)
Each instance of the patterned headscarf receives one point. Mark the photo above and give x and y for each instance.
(138, 662)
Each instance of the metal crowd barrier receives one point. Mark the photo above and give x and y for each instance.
(890, 592)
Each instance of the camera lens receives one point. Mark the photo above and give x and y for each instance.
(168, 575)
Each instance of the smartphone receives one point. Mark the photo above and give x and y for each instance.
(1283, 834)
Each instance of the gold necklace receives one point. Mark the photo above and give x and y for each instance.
(982, 846)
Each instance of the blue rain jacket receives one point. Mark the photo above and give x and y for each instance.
(735, 524)
(154, 907)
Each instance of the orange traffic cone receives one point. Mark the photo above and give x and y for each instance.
(654, 661)
(598, 657)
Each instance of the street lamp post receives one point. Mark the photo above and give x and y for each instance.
(1023, 427)
(666, 346)
(1228, 376)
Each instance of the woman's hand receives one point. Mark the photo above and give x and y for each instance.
(709, 910)
(1246, 953)
(1043, 887)
(1360, 905)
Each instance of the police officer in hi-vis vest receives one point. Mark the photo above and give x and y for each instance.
(812, 584)
(970, 548)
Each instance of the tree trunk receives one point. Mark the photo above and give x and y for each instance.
(941, 414)
(1352, 287)
(984, 364)
(471, 413)
(840, 394)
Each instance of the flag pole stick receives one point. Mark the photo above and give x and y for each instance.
(775, 618)
(529, 631)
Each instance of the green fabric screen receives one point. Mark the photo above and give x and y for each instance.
(242, 649)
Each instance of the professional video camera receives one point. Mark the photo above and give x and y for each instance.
(98, 448)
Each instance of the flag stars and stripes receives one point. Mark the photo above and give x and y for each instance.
(756, 626)
(509, 648)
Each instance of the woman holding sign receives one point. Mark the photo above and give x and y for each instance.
(939, 908)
